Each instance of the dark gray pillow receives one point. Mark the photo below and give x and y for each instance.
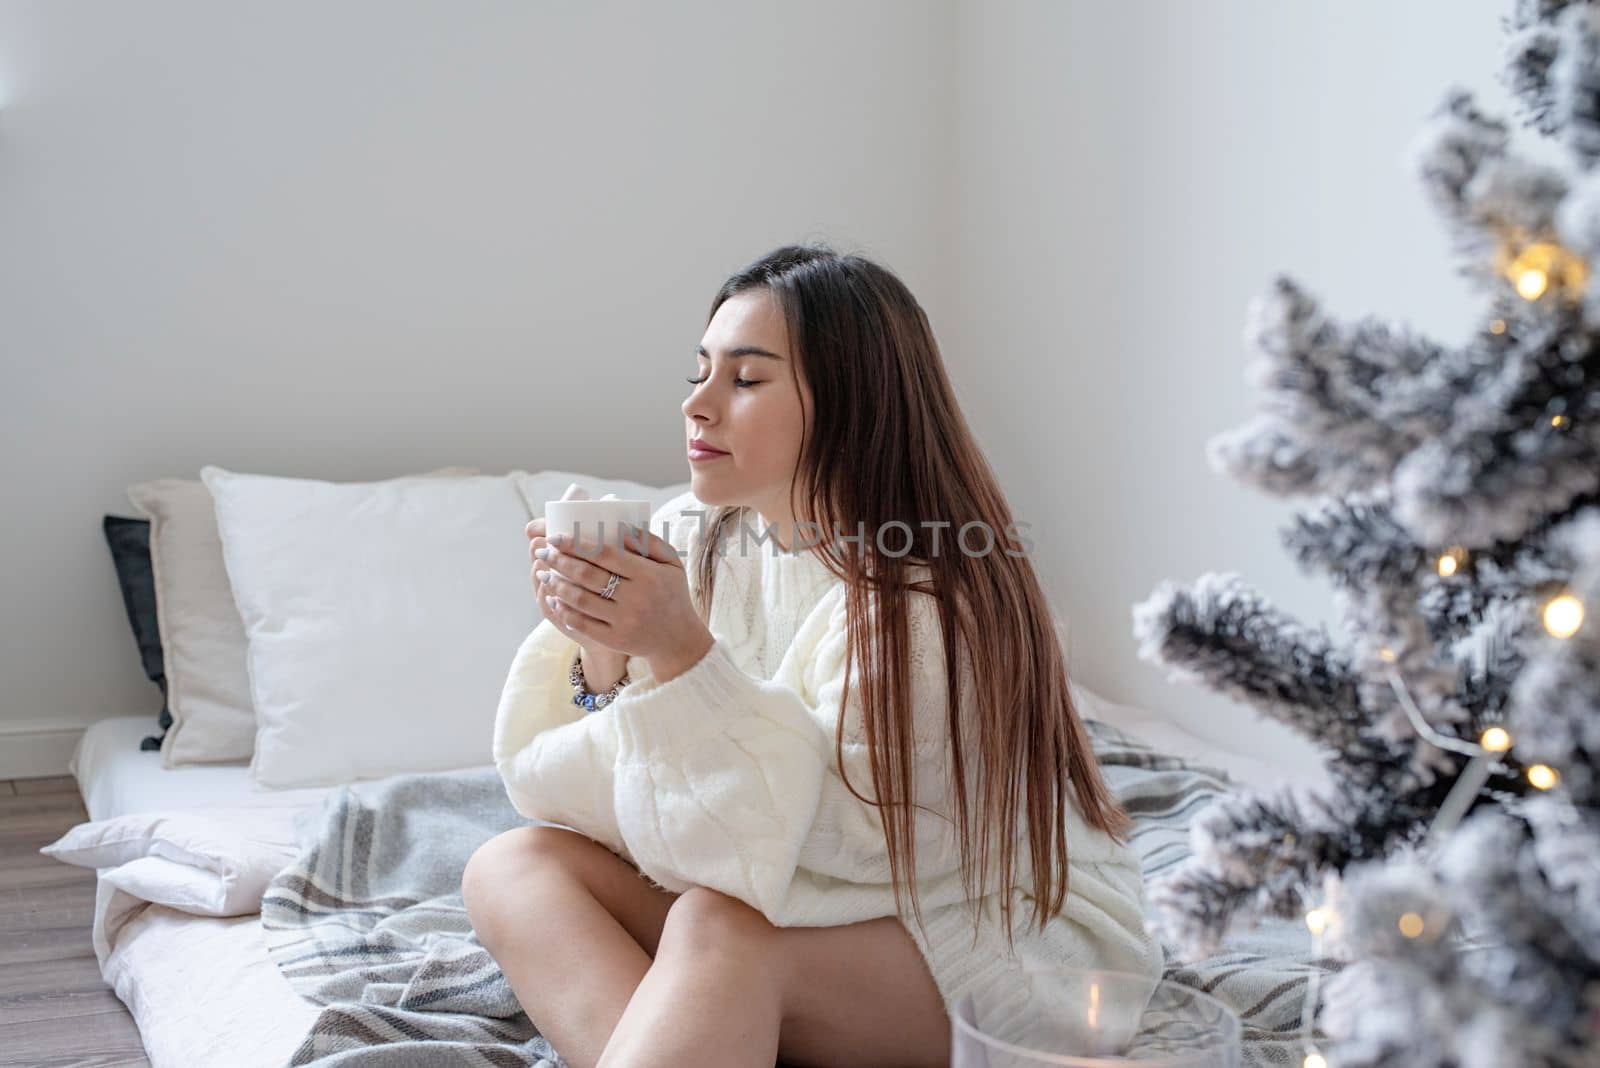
(129, 540)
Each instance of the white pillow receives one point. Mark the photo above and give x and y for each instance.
(380, 617)
(203, 646)
(541, 486)
(214, 863)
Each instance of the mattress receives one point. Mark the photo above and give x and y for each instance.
(204, 992)
(202, 989)
(116, 777)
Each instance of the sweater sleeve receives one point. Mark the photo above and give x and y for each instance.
(555, 758)
(730, 782)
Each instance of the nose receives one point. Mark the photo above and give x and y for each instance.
(697, 405)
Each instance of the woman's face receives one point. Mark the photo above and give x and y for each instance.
(749, 405)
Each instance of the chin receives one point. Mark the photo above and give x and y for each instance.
(705, 491)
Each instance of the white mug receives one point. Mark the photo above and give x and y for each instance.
(592, 522)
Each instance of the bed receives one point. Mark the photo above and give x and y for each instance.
(249, 908)
(204, 989)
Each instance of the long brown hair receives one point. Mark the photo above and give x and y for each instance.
(888, 443)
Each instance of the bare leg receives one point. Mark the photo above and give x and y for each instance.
(728, 988)
(710, 998)
(573, 927)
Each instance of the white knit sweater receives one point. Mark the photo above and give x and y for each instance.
(725, 777)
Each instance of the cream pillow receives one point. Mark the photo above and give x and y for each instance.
(379, 618)
(203, 643)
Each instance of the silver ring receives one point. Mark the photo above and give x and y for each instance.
(611, 585)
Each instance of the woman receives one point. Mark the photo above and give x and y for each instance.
(770, 772)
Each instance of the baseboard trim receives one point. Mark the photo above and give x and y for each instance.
(37, 750)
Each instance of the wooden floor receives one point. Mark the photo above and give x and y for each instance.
(54, 1008)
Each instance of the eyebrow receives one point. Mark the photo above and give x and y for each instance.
(739, 350)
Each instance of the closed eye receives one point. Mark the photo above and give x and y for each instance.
(741, 382)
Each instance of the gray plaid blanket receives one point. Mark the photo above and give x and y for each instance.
(368, 921)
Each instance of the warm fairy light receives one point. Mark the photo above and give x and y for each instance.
(1314, 1060)
(1497, 327)
(1558, 421)
(1495, 739)
(1543, 776)
(1387, 654)
(1563, 615)
(1543, 265)
(1094, 1004)
(1531, 283)
(1318, 918)
(1452, 560)
(1411, 925)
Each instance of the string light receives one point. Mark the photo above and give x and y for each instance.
(1532, 282)
(1543, 776)
(1531, 272)
(1451, 560)
(1563, 615)
(1421, 726)
(1497, 327)
(1558, 421)
(1472, 777)
(1495, 739)
(1542, 265)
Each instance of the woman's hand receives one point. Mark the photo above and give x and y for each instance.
(602, 666)
(651, 613)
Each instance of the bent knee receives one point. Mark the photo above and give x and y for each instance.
(509, 859)
(701, 917)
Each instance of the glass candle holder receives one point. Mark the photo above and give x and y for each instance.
(1105, 1018)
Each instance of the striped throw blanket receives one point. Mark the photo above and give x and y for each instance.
(368, 921)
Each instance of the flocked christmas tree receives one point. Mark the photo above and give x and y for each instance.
(1454, 861)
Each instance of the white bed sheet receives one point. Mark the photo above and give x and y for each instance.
(116, 777)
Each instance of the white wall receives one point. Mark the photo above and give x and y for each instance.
(354, 240)
(1132, 173)
(358, 239)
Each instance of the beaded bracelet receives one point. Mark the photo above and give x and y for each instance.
(581, 694)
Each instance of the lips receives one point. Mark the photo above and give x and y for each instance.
(696, 445)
